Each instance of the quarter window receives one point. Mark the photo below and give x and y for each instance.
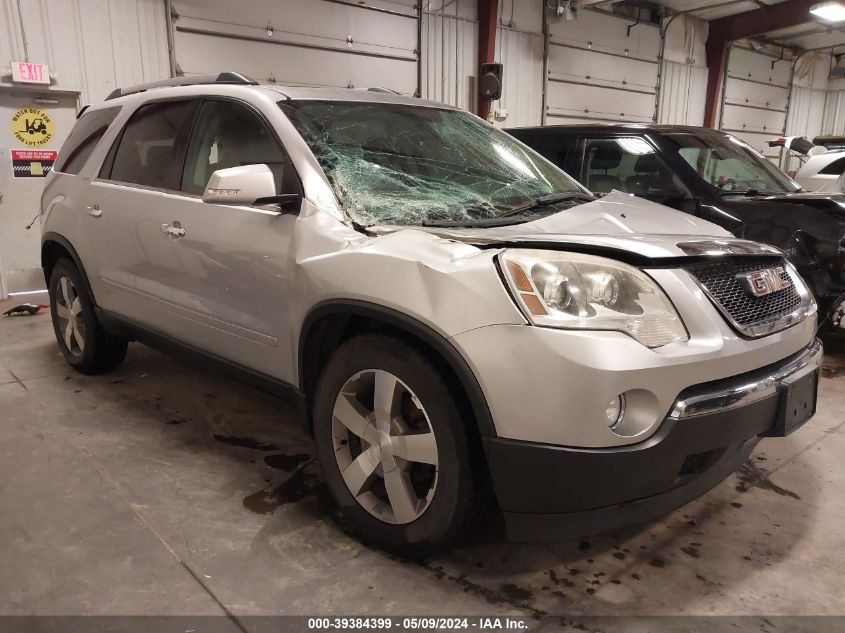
(226, 135)
(86, 133)
(149, 152)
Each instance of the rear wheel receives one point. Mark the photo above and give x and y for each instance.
(393, 446)
(82, 340)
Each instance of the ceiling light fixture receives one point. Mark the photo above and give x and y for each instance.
(829, 11)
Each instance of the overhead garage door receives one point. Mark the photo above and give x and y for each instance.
(332, 43)
(755, 98)
(601, 68)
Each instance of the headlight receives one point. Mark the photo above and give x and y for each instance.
(584, 292)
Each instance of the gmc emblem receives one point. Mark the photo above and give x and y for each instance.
(760, 283)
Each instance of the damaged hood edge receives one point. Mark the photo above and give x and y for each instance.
(619, 224)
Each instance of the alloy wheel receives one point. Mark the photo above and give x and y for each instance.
(385, 446)
(71, 323)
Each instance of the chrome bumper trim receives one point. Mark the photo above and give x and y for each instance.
(751, 387)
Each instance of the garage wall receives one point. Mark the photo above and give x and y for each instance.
(91, 46)
(682, 94)
(329, 43)
(450, 56)
(519, 46)
(598, 72)
(450, 53)
(834, 113)
(585, 72)
(806, 102)
(755, 98)
(683, 80)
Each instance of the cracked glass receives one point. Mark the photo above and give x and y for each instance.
(396, 164)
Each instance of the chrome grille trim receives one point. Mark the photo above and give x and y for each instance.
(749, 388)
(748, 315)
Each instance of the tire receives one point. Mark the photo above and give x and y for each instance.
(428, 506)
(85, 345)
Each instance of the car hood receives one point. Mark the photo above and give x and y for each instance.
(616, 222)
(829, 203)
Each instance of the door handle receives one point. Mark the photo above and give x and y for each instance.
(174, 230)
(94, 211)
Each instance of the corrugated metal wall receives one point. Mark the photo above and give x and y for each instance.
(91, 46)
(450, 54)
(834, 113)
(682, 93)
(806, 102)
(521, 52)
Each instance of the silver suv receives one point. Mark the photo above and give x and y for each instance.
(450, 311)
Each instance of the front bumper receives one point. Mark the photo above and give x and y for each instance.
(549, 492)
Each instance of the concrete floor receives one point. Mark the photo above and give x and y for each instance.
(159, 489)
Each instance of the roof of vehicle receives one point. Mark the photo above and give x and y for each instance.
(214, 83)
(625, 128)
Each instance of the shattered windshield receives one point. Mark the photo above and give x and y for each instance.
(404, 164)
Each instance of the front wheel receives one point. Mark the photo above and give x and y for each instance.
(393, 446)
(82, 340)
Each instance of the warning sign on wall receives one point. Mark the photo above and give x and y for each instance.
(31, 126)
(32, 163)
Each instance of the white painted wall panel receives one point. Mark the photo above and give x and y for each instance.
(834, 113)
(449, 56)
(755, 98)
(521, 53)
(598, 70)
(748, 64)
(92, 46)
(682, 94)
(566, 101)
(806, 113)
(314, 43)
(607, 33)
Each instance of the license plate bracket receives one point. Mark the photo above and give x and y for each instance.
(797, 405)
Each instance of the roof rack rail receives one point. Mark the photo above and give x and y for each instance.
(192, 80)
(380, 89)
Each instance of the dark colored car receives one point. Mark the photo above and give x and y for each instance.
(712, 175)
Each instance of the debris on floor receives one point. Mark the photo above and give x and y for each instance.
(26, 309)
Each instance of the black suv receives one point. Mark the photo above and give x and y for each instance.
(713, 175)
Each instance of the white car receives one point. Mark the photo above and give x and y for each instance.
(448, 309)
(821, 168)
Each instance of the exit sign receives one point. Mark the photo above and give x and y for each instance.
(29, 73)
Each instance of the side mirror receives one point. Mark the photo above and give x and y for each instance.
(247, 185)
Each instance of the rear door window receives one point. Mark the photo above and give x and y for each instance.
(86, 133)
(151, 150)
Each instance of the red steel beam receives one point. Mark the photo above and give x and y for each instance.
(487, 20)
(735, 27)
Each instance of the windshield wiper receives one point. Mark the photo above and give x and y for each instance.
(507, 218)
(751, 192)
(545, 201)
(470, 223)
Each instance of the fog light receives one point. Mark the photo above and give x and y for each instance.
(615, 411)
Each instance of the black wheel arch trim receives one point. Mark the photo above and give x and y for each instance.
(448, 352)
(65, 243)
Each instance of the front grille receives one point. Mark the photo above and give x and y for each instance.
(740, 306)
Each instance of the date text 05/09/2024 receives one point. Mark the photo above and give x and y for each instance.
(425, 623)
